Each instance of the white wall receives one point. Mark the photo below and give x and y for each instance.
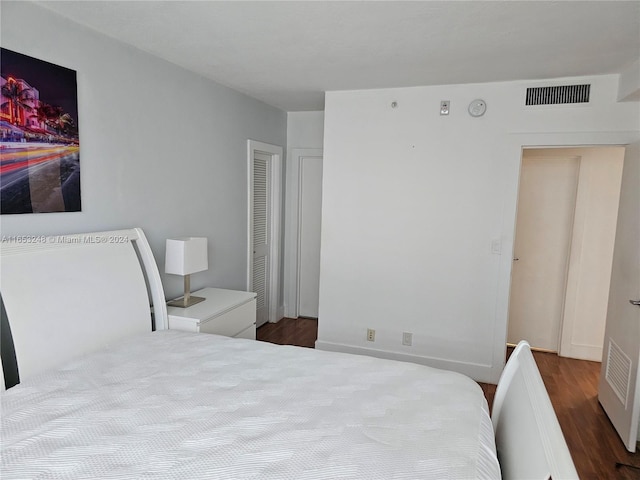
(412, 202)
(305, 130)
(591, 252)
(629, 83)
(160, 147)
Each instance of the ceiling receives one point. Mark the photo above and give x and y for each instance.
(289, 53)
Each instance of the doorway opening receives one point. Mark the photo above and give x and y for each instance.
(563, 249)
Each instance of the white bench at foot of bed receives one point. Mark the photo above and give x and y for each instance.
(529, 439)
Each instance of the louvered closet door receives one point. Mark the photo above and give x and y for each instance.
(261, 235)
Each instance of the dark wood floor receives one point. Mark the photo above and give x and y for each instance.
(302, 332)
(573, 389)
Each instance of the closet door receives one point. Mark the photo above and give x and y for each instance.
(310, 211)
(261, 234)
(546, 204)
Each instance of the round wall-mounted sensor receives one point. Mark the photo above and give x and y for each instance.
(477, 108)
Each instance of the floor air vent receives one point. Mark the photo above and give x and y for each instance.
(558, 95)
(618, 371)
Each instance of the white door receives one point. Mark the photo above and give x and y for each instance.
(546, 204)
(264, 162)
(310, 212)
(261, 235)
(619, 390)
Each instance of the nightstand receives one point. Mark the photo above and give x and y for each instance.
(224, 312)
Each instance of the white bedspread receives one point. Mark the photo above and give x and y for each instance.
(177, 405)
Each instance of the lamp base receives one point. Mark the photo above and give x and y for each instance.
(185, 302)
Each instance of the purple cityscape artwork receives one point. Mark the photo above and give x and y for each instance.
(40, 147)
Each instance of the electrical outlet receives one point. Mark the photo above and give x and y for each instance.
(407, 338)
(444, 107)
(371, 335)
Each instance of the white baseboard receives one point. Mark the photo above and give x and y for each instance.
(592, 353)
(478, 372)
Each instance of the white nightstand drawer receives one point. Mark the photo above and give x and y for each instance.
(232, 322)
(224, 312)
(249, 333)
(186, 324)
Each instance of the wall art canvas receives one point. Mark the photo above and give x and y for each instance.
(40, 146)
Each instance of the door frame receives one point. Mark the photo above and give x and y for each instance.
(292, 228)
(275, 204)
(576, 279)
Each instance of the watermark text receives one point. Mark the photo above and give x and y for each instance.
(62, 239)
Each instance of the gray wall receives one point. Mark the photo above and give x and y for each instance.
(160, 148)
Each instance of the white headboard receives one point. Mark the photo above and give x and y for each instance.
(69, 295)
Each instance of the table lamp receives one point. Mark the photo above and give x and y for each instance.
(184, 256)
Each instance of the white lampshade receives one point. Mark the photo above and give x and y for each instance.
(186, 255)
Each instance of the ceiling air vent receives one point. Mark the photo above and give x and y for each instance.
(558, 95)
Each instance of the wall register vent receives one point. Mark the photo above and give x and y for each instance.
(618, 373)
(558, 95)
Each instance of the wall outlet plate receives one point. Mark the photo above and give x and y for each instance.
(407, 338)
(444, 107)
(371, 335)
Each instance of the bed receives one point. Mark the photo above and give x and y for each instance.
(107, 391)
